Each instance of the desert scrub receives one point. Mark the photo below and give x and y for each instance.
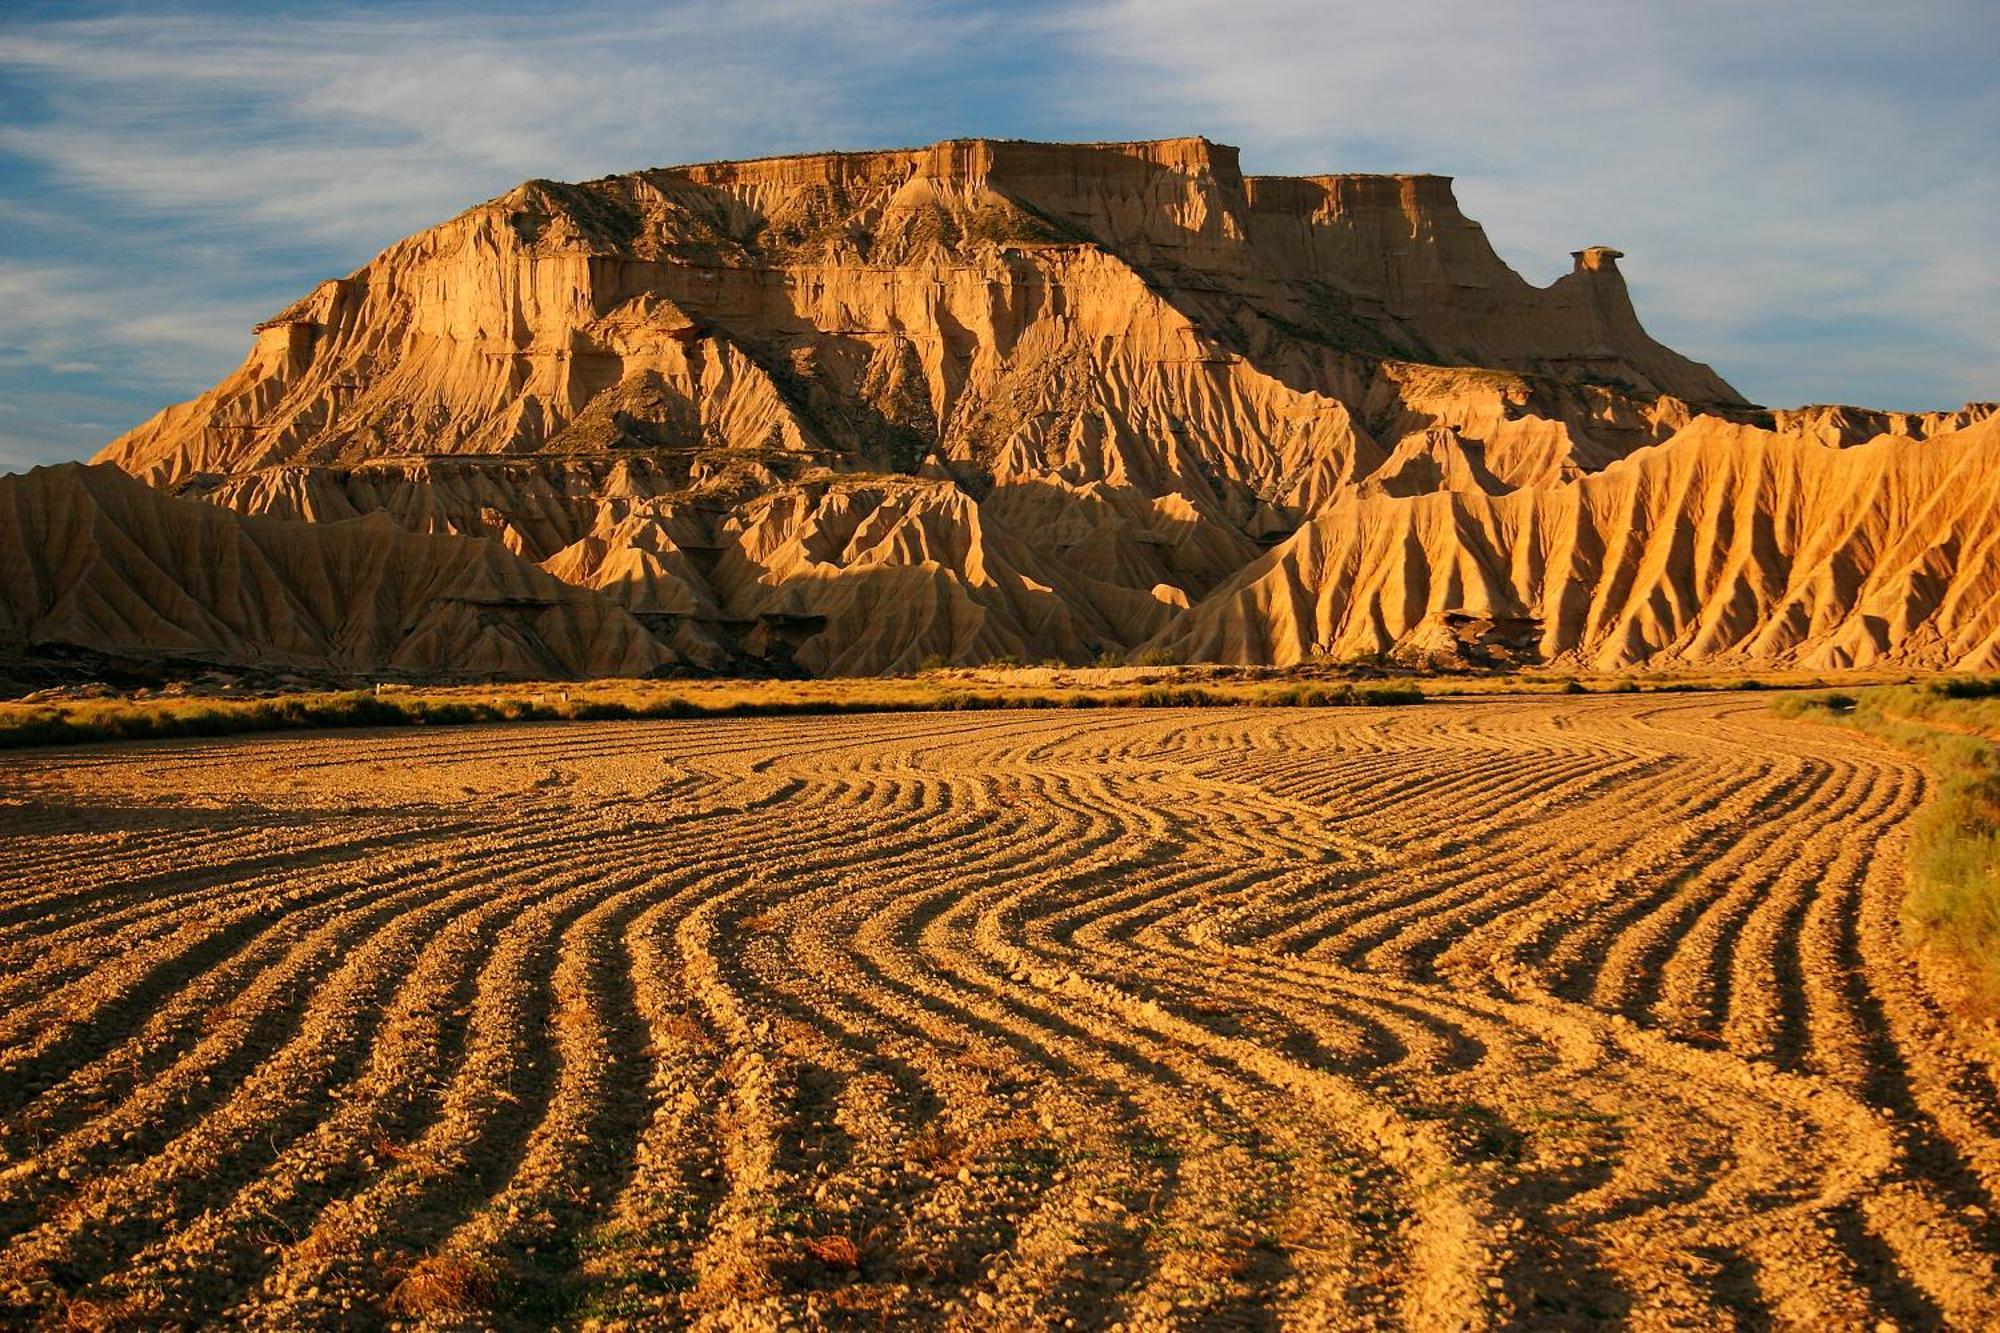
(1953, 901)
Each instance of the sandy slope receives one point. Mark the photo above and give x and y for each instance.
(1467, 1015)
(1727, 543)
(90, 557)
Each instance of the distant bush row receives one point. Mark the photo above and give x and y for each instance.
(156, 719)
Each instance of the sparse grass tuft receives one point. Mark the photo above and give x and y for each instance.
(937, 1149)
(447, 1286)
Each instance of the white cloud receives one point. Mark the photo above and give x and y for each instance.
(346, 130)
(1763, 165)
(65, 318)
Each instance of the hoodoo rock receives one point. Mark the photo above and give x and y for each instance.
(851, 411)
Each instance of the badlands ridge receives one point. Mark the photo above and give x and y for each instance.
(852, 412)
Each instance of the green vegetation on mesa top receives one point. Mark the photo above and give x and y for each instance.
(1954, 894)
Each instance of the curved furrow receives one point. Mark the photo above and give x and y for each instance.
(1118, 1174)
(1742, 968)
(1629, 971)
(366, 1133)
(1694, 820)
(1459, 889)
(1321, 925)
(151, 1009)
(129, 1104)
(1529, 1012)
(1438, 1224)
(283, 1097)
(531, 1137)
(94, 948)
(743, 1261)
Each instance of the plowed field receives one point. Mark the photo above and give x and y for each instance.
(1473, 1014)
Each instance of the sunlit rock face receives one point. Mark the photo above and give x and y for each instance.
(851, 412)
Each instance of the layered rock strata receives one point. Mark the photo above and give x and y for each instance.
(850, 412)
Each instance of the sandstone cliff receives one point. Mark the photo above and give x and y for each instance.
(853, 411)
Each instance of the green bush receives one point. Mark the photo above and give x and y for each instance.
(1966, 687)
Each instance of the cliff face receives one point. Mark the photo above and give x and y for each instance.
(891, 306)
(855, 410)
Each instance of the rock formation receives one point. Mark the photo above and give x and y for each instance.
(853, 411)
(1727, 544)
(90, 557)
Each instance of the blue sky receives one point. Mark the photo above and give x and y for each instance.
(1806, 192)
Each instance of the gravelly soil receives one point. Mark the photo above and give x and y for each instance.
(1484, 1013)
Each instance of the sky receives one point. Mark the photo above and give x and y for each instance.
(1805, 190)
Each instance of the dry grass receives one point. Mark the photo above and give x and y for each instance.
(938, 1150)
(1954, 895)
(81, 1315)
(837, 1251)
(444, 1286)
(148, 717)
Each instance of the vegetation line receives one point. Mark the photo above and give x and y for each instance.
(1953, 902)
(69, 723)
(37, 721)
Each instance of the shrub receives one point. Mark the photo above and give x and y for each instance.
(1180, 696)
(1378, 695)
(1966, 687)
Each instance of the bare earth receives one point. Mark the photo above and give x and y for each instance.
(1479, 1013)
